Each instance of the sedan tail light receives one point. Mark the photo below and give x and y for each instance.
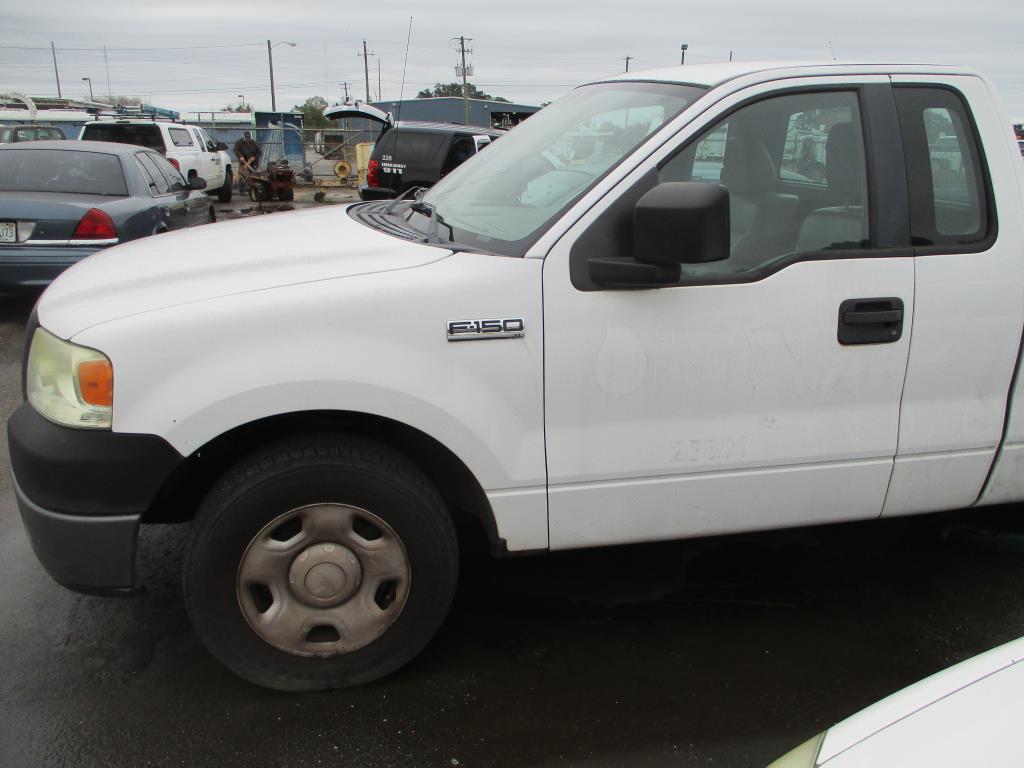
(95, 225)
(373, 173)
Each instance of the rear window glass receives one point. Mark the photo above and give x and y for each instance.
(56, 170)
(140, 135)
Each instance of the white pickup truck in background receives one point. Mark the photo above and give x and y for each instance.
(188, 148)
(675, 303)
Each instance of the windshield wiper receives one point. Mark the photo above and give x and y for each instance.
(413, 192)
(426, 209)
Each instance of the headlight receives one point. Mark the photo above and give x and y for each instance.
(69, 384)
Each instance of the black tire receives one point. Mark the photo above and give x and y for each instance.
(319, 197)
(224, 193)
(318, 470)
(257, 193)
(286, 195)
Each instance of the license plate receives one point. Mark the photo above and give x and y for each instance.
(8, 232)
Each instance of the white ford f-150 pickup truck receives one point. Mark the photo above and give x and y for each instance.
(674, 303)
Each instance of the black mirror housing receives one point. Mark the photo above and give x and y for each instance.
(196, 182)
(682, 222)
(222, 147)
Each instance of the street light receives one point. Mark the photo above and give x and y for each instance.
(241, 101)
(682, 53)
(270, 59)
(90, 87)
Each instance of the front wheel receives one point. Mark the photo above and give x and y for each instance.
(320, 562)
(224, 193)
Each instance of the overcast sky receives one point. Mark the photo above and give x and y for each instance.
(192, 54)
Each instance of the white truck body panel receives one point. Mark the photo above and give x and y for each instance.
(620, 415)
(330, 341)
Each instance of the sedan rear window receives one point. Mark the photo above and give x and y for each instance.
(125, 133)
(56, 170)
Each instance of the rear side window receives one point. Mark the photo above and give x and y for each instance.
(58, 170)
(417, 147)
(180, 137)
(162, 183)
(171, 173)
(949, 203)
(125, 133)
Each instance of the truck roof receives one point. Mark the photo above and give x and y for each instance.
(715, 74)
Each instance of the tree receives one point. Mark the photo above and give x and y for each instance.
(120, 101)
(243, 107)
(312, 110)
(455, 89)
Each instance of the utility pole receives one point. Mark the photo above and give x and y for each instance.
(465, 83)
(346, 92)
(627, 62)
(366, 67)
(380, 96)
(270, 61)
(55, 72)
(106, 64)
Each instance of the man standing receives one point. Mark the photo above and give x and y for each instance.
(248, 153)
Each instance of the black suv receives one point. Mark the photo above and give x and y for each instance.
(413, 154)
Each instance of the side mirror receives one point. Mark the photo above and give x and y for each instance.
(677, 222)
(196, 182)
(682, 222)
(222, 147)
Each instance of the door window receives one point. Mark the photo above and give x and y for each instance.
(796, 173)
(205, 139)
(948, 200)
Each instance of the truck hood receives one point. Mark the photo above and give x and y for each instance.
(227, 258)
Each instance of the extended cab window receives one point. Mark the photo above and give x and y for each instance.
(795, 170)
(180, 137)
(948, 200)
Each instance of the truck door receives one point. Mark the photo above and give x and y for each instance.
(967, 232)
(208, 148)
(757, 392)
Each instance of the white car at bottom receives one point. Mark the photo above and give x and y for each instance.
(967, 715)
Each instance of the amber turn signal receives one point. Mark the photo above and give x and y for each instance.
(96, 382)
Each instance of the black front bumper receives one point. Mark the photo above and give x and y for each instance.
(82, 494)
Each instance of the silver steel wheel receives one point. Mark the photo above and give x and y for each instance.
(323, 579)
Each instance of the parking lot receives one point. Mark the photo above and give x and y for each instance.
(720, 652)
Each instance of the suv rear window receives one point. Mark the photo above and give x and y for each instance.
(126, 133)
(412, 146)
(60, 170)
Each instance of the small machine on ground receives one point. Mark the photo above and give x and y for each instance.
(275, 182)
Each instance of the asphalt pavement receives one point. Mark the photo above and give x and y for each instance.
(723, 652)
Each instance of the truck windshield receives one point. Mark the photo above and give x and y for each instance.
(501, 199)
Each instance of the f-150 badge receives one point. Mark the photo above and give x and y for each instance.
(503, 328)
